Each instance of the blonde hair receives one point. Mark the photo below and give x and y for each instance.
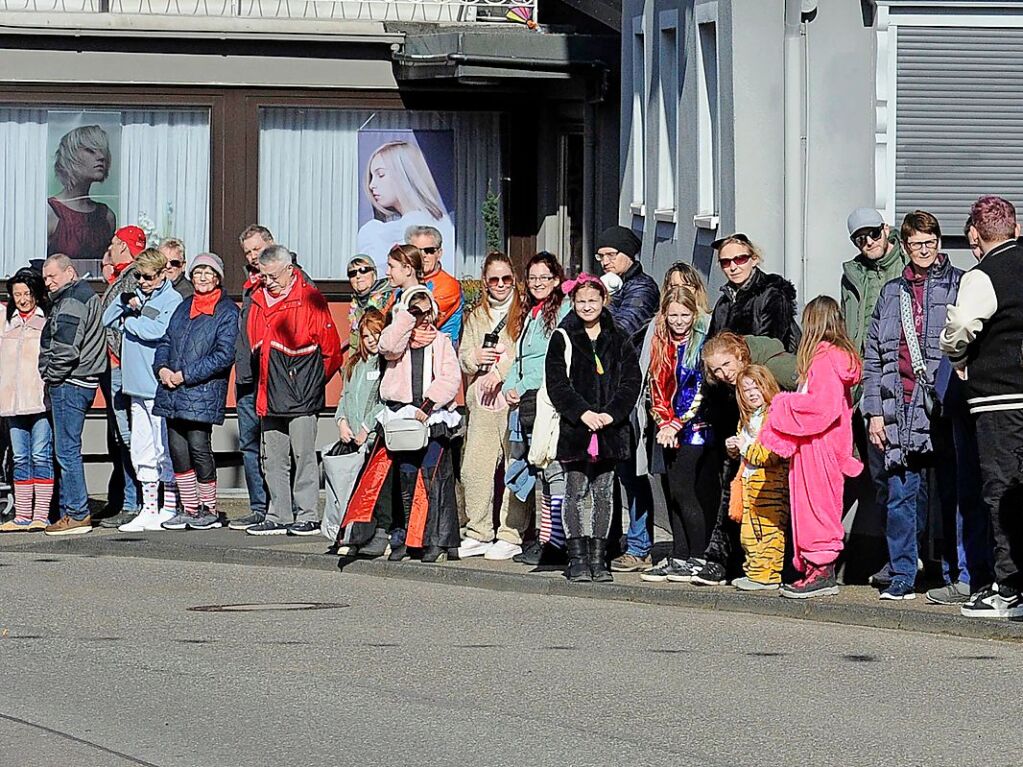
(65, 160)
(662, 336)
(692, 279)
(765, 381)
(823, 322)
(173, 243)
(413, 182)
(151, 259)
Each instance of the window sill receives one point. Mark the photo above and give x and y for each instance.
(666, 215)
(638, 209)
(707, 221)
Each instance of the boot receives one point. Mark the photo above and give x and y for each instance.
(578, 568)
(598, 561)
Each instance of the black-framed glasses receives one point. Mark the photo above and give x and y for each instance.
(540, 279)
(860, 238)
(429, 251)
(358, 271)
(504, 279)
(922, 245)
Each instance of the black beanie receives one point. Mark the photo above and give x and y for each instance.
(621, 239)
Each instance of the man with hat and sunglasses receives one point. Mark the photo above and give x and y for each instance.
(880, 260)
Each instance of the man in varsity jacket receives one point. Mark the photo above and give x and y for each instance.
(983, 338)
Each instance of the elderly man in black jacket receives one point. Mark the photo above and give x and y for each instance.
(633, 306)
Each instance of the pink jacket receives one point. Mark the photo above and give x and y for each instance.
(396, 383)
(814, 427)
(22, 391)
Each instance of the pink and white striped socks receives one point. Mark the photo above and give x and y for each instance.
(23, 499)
(188, 489)
(44, 495)
(208, 496)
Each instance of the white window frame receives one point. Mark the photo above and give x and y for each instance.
(668, 95)
(639, 108)
(708, 138)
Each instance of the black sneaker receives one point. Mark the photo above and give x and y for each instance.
(244, 523)
(120, 518)
(882, 579)
(267, 527)
(375, 547)
(711, 574)
(304, 528)
(398, 553)
(541, 554)
(994, 601)
(432, 554)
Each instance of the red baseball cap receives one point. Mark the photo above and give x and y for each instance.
(133, 237)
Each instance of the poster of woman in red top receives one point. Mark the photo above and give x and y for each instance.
(82, 192)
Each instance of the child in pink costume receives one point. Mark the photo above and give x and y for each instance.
(813, 426)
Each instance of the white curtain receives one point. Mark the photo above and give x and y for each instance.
(164, 179)
(23, 174)
(165, 176)
(309, 180)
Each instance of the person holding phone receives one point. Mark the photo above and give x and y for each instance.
(486, 356)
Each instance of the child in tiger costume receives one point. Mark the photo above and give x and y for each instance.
(760, 492)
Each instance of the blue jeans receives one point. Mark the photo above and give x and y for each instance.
(907, 517)
(32, 446)
(640, 499)
(123, 487)
(71, 403)
(249, 445)
(973, 551)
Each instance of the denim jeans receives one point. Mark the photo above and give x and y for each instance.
(907, 516)
(640, 499)
(71, 403)
(32, 446)
(248, 444)
(123, 488)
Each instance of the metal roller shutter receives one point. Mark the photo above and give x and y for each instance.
(959, 120)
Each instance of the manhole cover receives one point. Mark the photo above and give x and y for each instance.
(267, 607)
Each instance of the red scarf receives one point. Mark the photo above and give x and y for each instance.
(204, 303)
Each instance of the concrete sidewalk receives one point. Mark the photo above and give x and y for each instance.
(856, 605)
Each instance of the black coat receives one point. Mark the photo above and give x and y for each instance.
(574, 392)
(765, 305)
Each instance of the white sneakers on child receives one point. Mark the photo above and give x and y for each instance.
(502, 550)
(147, 520)
(472, 548)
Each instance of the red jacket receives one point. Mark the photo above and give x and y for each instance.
(295, 351)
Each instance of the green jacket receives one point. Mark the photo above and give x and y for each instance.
(862, 280)
(770, 352)
(360, 399)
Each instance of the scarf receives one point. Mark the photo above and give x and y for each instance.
(204, 303)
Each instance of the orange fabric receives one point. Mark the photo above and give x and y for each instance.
(735, 507)
(364, 496)
(447, 292)
(417, 517)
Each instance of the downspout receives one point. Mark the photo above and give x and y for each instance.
(794, 138)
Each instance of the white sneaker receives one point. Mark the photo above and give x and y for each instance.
(163, 516)
(144, 520)
(503, 550)
(472, 548)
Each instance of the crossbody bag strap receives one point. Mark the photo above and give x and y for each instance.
(909, 331)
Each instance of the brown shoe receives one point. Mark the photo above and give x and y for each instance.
(70, 526)
(630, 563)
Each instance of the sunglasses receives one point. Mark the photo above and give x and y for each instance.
(742, 260)
(149, 277)
(176, 264)
(859, 240)
(360, 270)
(429, 251)
(504, 279)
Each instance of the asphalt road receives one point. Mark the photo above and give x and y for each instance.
(104, 663)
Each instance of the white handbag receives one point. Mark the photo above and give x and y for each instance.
(405, 435)
(543, 443)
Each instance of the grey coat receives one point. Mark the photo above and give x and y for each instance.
(907, 428)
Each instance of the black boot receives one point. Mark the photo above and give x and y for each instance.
(578, 568)
(598, 560)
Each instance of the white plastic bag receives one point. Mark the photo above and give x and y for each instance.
(340, 473)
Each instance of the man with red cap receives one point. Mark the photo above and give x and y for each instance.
(119, 272)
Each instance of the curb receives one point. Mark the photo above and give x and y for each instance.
(722, 600)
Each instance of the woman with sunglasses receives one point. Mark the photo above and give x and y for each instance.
(753, 303)
(368, 292)
(486, 355)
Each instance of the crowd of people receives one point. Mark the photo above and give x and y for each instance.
(531, 423)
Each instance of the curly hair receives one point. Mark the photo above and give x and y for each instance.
(552, 304)
(31, 279)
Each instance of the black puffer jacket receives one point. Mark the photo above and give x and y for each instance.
(765, 305)
(582, 388)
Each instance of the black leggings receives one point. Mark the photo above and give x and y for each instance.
(191, 448)
(692, 492)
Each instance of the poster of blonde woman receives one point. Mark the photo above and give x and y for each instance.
(82, 190)
(407, 180)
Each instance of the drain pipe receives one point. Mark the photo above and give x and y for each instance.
(795, 135)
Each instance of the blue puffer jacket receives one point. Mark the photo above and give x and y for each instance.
(635, 304)
(882, 383)
(203, 350)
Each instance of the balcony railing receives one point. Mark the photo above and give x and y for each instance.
(509, 11)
